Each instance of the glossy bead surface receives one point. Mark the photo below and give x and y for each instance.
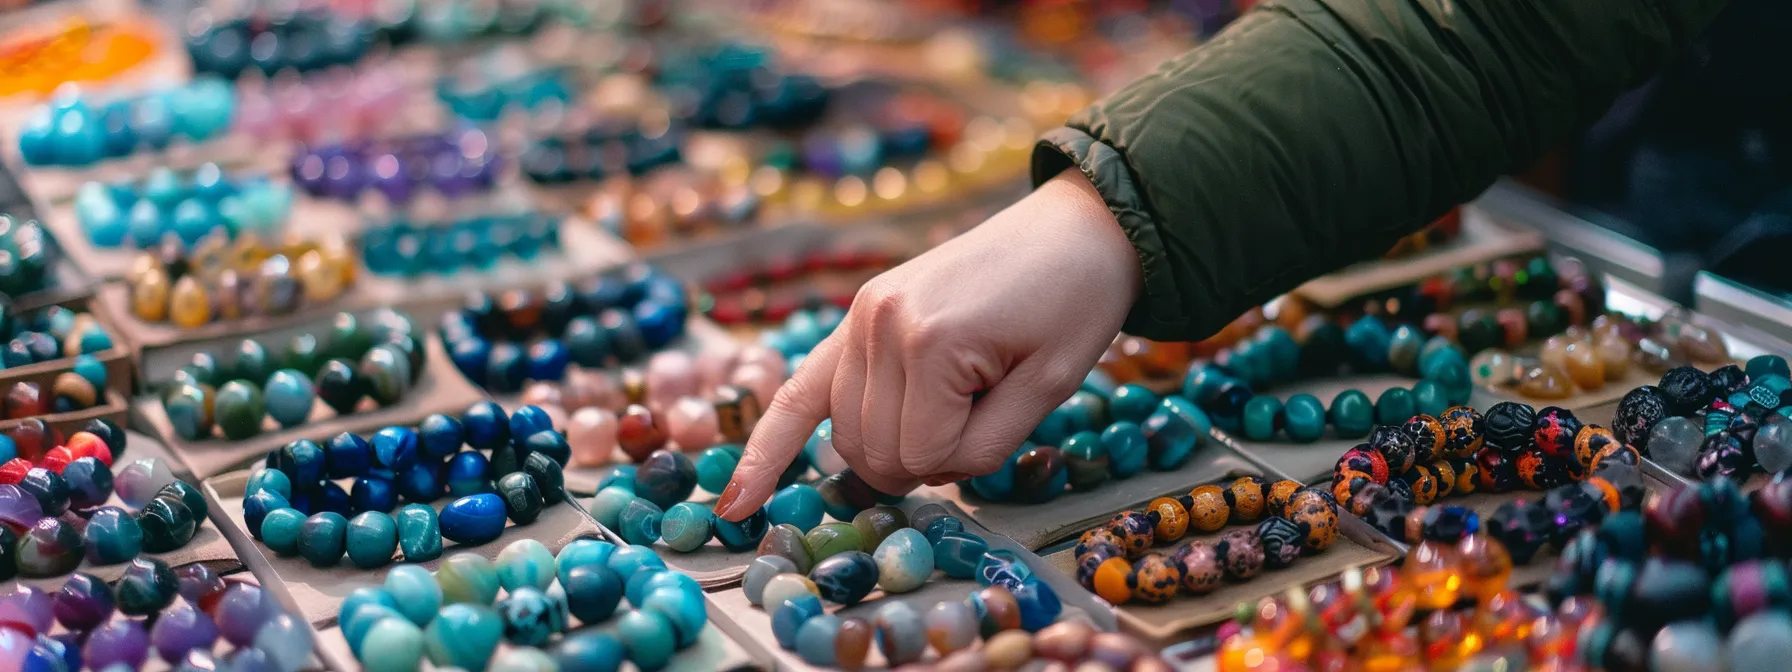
(83, 601)
(371, 539)
(50, 547)
(950, 626)
(760, 572)
(666, 478)
(522, 499)
(463, 635)
(958, 553)
(146, 587)
(167, 524)
(799, 505)
(419, 533)
(112, 536)
(831, 539)
(323, 538)
(901, 634)
(845, 578)
(473, 520)
(183, 629)
(140, 480)
(687, 526)
(593, 592)
(904, 561)
(639, 522)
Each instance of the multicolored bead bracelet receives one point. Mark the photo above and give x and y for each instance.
(189, 207)
(296, 506)
(78, 130)
(38, 540)
(1114, 562)
(456, 619)
(617, 317)
(1223, 387)
(1721, 423)
(182, 634)
(376, 360)
(221, 279)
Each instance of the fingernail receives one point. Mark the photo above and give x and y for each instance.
(943, 479)
(726, 503)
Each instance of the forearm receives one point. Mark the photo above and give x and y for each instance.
(1314, 133)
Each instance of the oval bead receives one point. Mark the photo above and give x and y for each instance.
(474, 519)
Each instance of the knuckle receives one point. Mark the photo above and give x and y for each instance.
(925, 337)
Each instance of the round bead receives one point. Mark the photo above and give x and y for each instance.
(468, 578)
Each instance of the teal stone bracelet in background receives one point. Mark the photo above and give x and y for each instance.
(455, 617)
(1224, 386)
(650, 506)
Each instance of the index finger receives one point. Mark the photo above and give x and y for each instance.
(800, 405)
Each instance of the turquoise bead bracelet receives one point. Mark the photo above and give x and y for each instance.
(456, 618)
(186, 206)
(296, 506)
(645, 504)
(1223, 387)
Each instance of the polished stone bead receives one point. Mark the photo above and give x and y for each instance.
(121, 642)
(272, 479)
(322, 538)
(639, 522)
(1675, 444)
(827, 540)
(1039, 604)
(468, 577)
(901, 634)
(789, 616)
(649, 637)
(419, 533)
(687, 526)
(396, 448)
(550, 478)
(167, 524)
(50, 547)
(371, 539)
(1002, 568)
(27, 606)
(799, 505)
(83, 601)
(50, 489)
(280, 530)
(681, 602)
(522, 497)
(640, 432)
(630, 560)
(286, 640)
(239, 410)
(487, 425)
(937, 529)
(845, 578)
(844, 494)
(1351, 415)
(589, 651)
(958, 554)
(1132, 403)
(530, 617)
(743, 535)
(950, 626)
(554, 446)
(303, 462)
(1173, 431)
(18, 508)
(607, 505)
(242, 610)
(463, 635)
(761, 571)
(468, 474)
(290, 396)
(386, 370)
(1086, 460)
(89, 483)
(183, 629)
(475, 519)
(715, 466)
(112, 536)
(877, 523)
(904, 561)
(140, 480)
(1303, 418)
(1395, 406)
(1040, 474)
(815, 640)
(146, 587)
(593, 591)
(666, 478)
(413, 592)
(339, 386)
(787, 541)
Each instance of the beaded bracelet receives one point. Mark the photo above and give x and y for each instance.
(304, 41)
(620, 316)
(1223, 388)
(181, 634)
(1113, 560)
(598, 152)
(462, 20)
(42, 58)
(411, 249)
(34, 443)
(1535, 295)
(38, 540)
(221, 280)
(191, 207)
(377, 358)
(456, 619)
(50, 334)
(325, 105)
(81, 387)
(454, 164)
(294, 505)
(76, 131)
(1722, 423)
(490, 95)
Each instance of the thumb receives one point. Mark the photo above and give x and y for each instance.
(1008, 413)
(800, 405)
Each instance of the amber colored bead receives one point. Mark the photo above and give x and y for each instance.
(1414, 524)
(1583, 366)
(634, 385)
(1155, 579)
(1468, 476)
(1207, 509)
(188, 305)
(1485, 566)
(1245, 497)
(1424, 485)
(1428, 435)
(1276, 499)
(1113, 581)
(1589, 442)
(852, 644)
(1432, 575)
(639, 432)
(1172, 519)
(1446, 477)
(1000, 610)
(737, 410)
(1545, 382)
(321, 280)
(1321, 521)
(1614, 355)
(149, 296)
(1136, 530)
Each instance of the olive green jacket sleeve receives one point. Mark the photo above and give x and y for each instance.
(1311, 134)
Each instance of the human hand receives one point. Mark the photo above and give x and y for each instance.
(947, 362)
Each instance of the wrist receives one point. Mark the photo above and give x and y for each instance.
(1070, 199)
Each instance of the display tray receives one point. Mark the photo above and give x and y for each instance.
(117, 359)
(1482, 239)
(317, 592)
(207, 547)
(441, 389)
(1358, 545)
(753, 626)
(1036, 526)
